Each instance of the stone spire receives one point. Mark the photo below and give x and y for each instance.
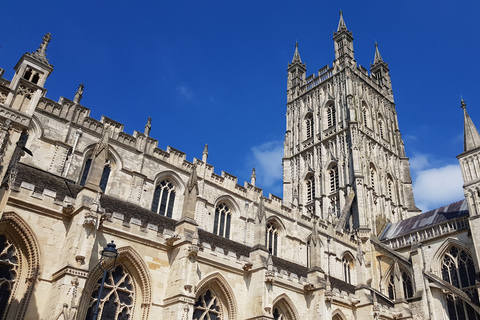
(471, 138)
(253, 177)
(78, 94)
(378, 57)
(296, 55)
(148, 126)
(41, 53)
(341, 23)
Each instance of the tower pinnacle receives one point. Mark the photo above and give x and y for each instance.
(471, 137)
(296, 55)
(41, 53)
(378, 57)
(341, 23)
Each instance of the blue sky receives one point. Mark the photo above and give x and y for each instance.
(215, 72)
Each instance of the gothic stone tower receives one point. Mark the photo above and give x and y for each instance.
(344, 157)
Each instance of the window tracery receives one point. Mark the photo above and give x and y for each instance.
(164, 198)
(208, 307)
(9, 268)
(334, 181)
(458, 269)
(271, 238)
(222, 220)
(118, 296)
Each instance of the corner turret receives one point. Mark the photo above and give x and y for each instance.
(380, 72)
(296, 70)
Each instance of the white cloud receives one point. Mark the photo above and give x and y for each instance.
(436, 187)
(185, 92)
(267, 160)
(419, 162)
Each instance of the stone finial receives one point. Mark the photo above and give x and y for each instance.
(148, 126)
(205, 153)
(341, 23)
(296, 55)
(41, 53)
(378, 57)
(253, 177)
(78, 94)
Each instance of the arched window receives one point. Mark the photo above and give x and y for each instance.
(28, 74)
(334, 183)
(331, 118)
(164, 198)
(407, 285)
(347, 268)
(221, 225)
(310, 188)
(118, 296)
(391, 286)
(208, 307)
(278, 314)
(271, 238)
(9, 269)
(35, 78)
(458, 269)
(309, 125)
(105, 173)
(373, 176)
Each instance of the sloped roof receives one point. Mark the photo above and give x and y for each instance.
(430, 218)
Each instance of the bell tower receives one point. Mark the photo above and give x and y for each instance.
(344, 158)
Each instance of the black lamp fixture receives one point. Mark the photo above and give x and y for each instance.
(108, 254)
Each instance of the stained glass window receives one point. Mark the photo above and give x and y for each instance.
(118, 296)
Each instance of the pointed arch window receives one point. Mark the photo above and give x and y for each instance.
(459, 270)
(208, 307)
(331, 118)
(118, 296)
(221, 224)
(9, 269)
(271, 238)
(406, 282)
(391, 286)
(310, 188)
(347, 266)
(309, 125)
(334, 181)
(164, 198)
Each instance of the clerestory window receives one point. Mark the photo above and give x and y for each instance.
(223, 216)
(271, 238)
(164, 198)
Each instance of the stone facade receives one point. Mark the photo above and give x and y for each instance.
(345, 242)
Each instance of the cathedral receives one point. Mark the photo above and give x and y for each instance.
(96, 223)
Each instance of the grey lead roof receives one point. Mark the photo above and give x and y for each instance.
(454, 210)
